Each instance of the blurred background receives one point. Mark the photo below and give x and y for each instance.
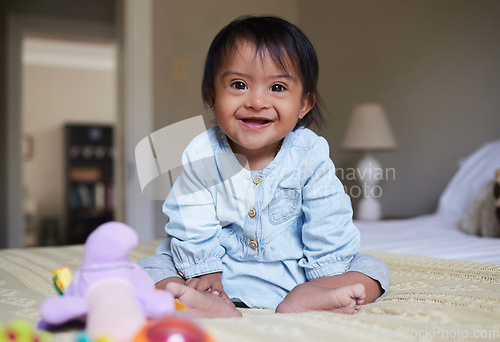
(83, 81)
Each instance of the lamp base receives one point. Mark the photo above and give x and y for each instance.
(369, 209)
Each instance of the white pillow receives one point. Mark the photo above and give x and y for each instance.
(473, 174)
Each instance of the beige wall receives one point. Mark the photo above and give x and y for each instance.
(183, 31)
(51, 98)
(433, 64)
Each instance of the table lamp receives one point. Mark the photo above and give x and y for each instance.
(368, 131)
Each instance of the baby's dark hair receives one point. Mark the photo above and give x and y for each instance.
(283, 41)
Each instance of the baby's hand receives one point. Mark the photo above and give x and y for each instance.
(210, 283)
(207, 283)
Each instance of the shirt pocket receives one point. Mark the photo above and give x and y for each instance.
(284, 205)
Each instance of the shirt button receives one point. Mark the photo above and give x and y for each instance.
(347, 268)
(253, 244)
(257, 180)
(252, 212)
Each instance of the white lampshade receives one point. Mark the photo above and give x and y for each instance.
(369, 129)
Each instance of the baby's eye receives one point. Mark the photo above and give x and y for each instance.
(277, 87)
(239, 85)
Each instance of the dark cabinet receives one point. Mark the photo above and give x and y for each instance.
(89, 179)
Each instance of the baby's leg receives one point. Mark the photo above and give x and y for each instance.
(202, 304)
(372, 287)
(161, 284)
(340, 292)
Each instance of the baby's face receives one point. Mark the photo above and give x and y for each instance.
(256, 102)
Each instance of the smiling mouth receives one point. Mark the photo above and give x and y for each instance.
(255, 121)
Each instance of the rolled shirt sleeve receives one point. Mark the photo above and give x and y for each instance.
(329, 236)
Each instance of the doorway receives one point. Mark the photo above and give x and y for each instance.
(65, 82)
(133, 36)
(42, 54)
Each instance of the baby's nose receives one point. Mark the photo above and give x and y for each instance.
(258, 99)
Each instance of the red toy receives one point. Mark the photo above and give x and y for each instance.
(172, 329)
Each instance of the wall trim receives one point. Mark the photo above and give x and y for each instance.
(138, 108)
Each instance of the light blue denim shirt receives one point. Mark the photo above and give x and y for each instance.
(267, 230)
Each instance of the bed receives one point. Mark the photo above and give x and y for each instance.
(445, 283)
(454, 230)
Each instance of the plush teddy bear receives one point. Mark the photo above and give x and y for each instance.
(482, 216)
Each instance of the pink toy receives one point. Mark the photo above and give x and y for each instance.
(113, 310)
(113, 294)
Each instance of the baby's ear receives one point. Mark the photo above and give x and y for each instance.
(308, 102)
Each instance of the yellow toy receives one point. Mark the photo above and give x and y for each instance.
(62, 278)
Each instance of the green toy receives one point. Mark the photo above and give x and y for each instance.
(20, 330)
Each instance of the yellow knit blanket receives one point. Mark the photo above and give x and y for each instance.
(429, 300)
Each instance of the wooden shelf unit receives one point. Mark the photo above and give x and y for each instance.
(89, 179)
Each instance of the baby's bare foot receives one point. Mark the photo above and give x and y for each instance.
(347, 299)
(202, 304)
(309, 297)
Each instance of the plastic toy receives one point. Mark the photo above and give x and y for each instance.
(172, 328)
(22, 331)
(62, 278)
(169, 329)
(112, 294)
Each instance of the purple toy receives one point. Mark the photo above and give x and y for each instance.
(106, 272)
